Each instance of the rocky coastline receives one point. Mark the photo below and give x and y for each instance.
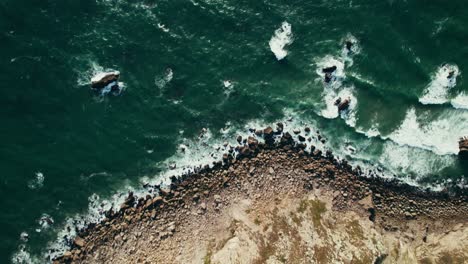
(211, 215)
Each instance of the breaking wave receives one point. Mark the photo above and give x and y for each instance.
(283, 37)
(438, 90)
(440, 136)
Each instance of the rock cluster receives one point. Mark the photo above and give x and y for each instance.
(259, 169)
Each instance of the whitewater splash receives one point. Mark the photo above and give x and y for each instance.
(438, 90)
(439, 136)
(350, 48)
(283, 36)
(461, 101)
(162, 80)
(38, 182)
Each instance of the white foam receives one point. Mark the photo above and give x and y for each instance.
(407, 160)
(440, 135)
(228, 87)
(162, 80)
(38, 181)
(437, 91)
(163, 27)
(45, 221)
(283, 36)
(461, 101)
(22, 256)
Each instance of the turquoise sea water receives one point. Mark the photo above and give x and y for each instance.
(65, 149)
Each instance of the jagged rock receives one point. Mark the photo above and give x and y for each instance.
(103, 79)
(239, 139)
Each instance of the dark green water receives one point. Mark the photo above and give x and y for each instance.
(406, 116)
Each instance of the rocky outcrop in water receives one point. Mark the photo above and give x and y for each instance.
(463, 146)
(103, 79)
(343, 105)
(329, 73)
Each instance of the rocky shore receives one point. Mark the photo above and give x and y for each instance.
(273, 202)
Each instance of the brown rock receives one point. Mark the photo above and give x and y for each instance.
(79, 242)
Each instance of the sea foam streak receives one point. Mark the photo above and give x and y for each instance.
(437, 91)
(283, 36)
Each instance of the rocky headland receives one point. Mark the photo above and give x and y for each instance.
(273, 202)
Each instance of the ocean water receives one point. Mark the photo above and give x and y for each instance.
(196, 73)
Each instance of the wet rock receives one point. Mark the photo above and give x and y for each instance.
(463, 148)
(268, 132)
(239, 139)
(286, 139)
(343, 105)
(252, 142)
(301, 138)
(101, 80)
(279, 127)
(328, 73)
(268, 135)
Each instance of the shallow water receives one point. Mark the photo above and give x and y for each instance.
(66, 149)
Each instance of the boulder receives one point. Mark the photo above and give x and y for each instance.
(252, 142)
(79, 242)
(463, 148)
(268, 132)
(102, 79)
